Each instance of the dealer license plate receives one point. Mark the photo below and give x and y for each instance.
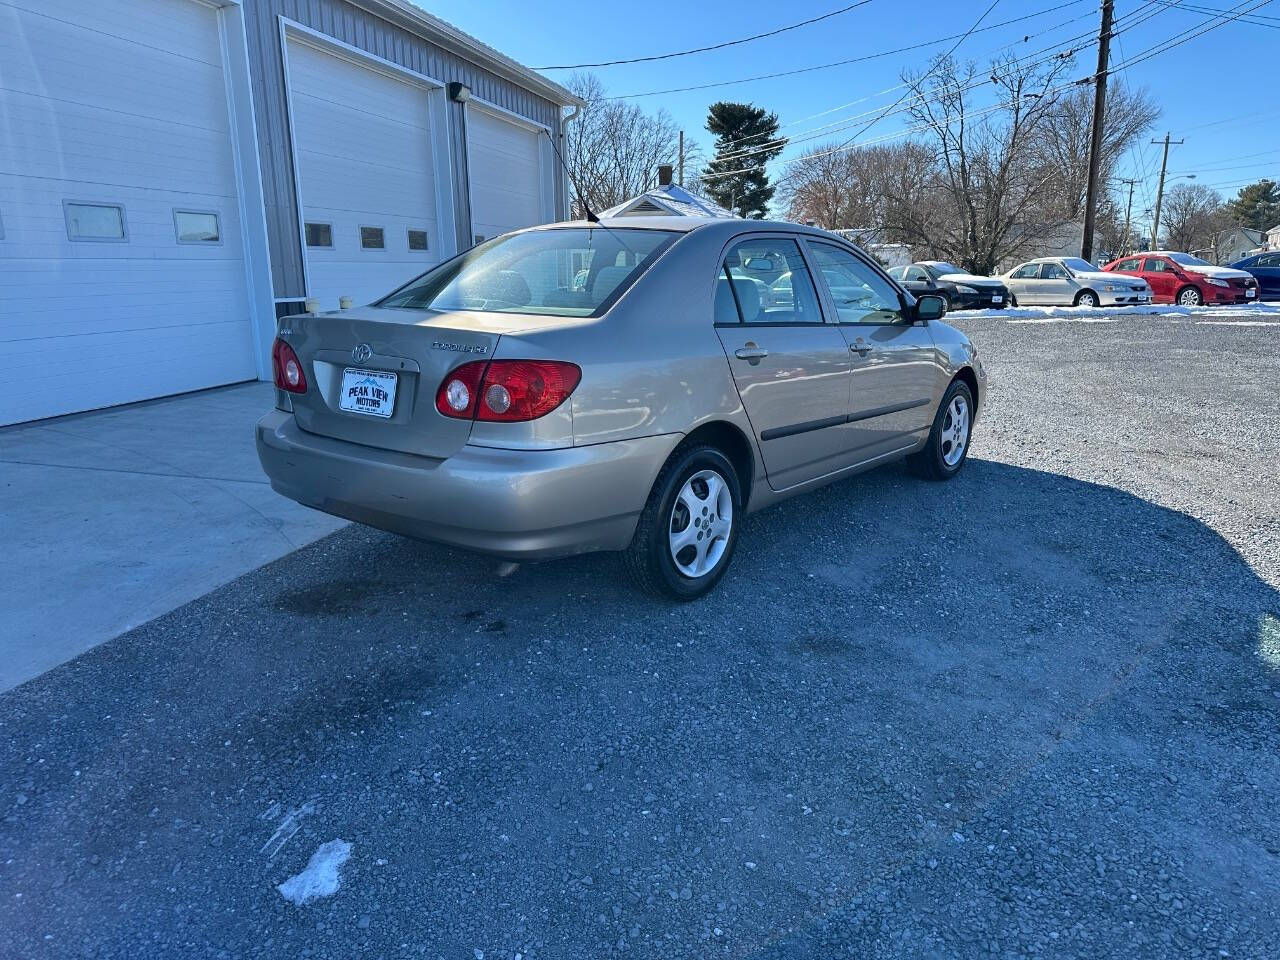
(370, 392)
(1250, 293)
(997, 298)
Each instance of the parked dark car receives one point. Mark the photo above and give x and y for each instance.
(960, 290)
(1265, 268)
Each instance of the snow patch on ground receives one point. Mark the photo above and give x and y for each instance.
(320, 878)
(1111, 314)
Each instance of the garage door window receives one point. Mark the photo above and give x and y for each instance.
(196, 226)
(417, 239)
(372, 238)
(102, 222)
(319, 235)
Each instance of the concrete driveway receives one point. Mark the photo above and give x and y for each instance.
(114, 517)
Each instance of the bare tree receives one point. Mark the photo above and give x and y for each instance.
(614, 148)
(990, 193)
(841, 187)
(1193, 217)
(1060, 144)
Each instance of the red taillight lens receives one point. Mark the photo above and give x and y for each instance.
(507, 391)
(288, 368)
(460, 389)
(517, 390)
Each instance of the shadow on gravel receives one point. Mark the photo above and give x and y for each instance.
(1012, 714)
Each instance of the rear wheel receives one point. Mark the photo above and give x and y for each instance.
(1190, 297)
(1086, 298)
(948, 446)
(688, 529)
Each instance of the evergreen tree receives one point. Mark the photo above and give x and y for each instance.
(746, 140)
(1257, 205)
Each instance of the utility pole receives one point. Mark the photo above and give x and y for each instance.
(1128, 209)
(680, 180)
(1099, 114)
(1164, 164)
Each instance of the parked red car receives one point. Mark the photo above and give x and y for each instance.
(1183, 279)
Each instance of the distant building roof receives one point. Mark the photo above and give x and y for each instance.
(669, 200)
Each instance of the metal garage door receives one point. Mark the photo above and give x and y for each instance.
(504, 161)
(365, 158)
(115, 141)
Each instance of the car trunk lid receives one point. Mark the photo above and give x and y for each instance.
(353, 354)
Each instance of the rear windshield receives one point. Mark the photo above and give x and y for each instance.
(571, 272)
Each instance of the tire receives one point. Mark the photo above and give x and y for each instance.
(1086, 298)
(1189, 296)
(1013, 301)
(651, 557)
(937, 461)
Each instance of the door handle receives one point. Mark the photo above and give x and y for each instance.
(751, 353)
(860, 348)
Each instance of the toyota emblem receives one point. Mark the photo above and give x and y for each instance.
(361, 352)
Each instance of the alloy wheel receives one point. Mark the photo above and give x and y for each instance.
(1087, 300)
(1189, 297)
(955, 430)
(700, 524)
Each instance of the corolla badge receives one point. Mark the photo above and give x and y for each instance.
(361, 352)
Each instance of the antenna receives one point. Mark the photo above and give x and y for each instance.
(591, 217)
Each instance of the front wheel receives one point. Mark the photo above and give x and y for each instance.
(1190, 297)
(1086, 298)
(948, 446)
(689, 527)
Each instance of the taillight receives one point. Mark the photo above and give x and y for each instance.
(457, 394)
(288, 368)
(507, 391)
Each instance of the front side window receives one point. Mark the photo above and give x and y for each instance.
(917, 273)
(1271, 260)
(1053, 271)
(94, 221)
(1158, 266)
(860, 294)
(193, 226)
(571, 272)
(771, 281)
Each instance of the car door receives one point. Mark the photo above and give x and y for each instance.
(1056, 285)
(791, 367)
(895, 366)
(1162, 279)
(1267, 271)
(1024, 283)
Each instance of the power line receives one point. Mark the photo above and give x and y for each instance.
(1258, 19)
(1188, 35)
(714, 46)
(842, 63)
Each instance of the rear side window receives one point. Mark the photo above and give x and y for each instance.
(571, 272)
(771, 282)
(1028, 271)
(1052, 271)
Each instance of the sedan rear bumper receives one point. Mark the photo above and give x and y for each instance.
(516, 504)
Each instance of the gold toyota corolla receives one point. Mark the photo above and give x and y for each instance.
(633, 384)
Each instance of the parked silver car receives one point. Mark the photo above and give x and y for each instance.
(503, 402)
(1071, 281)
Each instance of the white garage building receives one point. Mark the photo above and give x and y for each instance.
(175, 175)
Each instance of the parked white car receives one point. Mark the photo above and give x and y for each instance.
(1071, 281)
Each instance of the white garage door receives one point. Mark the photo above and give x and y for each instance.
(365, 158)
(505, 166)
(114, 140)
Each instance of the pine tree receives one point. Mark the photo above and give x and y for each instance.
(1257, 206)
(746, 140)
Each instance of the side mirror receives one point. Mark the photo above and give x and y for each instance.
(929, 307)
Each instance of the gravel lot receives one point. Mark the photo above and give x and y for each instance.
(1033, 712)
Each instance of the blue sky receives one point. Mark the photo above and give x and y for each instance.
(1211, 89)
